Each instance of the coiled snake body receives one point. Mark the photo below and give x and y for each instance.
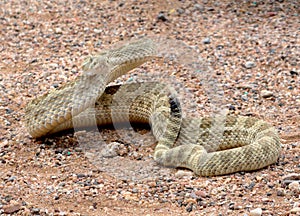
(208, 146)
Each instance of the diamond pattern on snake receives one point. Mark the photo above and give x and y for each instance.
(208, 146)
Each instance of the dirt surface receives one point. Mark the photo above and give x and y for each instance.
(252, 50)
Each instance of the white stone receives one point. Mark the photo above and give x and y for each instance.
(295, 186)
(266, 93)
(250, 64)
(110, 150)
(58, 31)
(256, 212)
(182, 173)
(295, 210)
(97, 31)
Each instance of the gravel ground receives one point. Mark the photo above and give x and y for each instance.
(252, 49)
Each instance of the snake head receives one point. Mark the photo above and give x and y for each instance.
(125, 57)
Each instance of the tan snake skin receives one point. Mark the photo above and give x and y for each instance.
(209, 146)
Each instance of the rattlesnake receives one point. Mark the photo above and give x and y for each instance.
(208, 146)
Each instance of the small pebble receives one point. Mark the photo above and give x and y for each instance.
(199, 7)
(182, 173)
(97, 31)
(295, 210)
(12, 178)
(244, 86)
(244, 97)
(250, 64)
(201, 193)
(265, 199)
(58, 31)
(9, 111)
(191, 200)
(53, 65)
(78, 149)
(256, 212)
(231, 107)
(35, 210)
(219, 47)
(259, 178)
(294, 186)
(206, 41)
(161, 16)
(280, 193)
(12, 207)
(180, 11)
(80, 175)
(110, 150)
(266, 93)
(91, 207)
(189, 208)
(98, 43)
(55, 85)
(294, 72)
(251, 185)
(135, 190)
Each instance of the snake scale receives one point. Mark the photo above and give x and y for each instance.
(208, 146)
